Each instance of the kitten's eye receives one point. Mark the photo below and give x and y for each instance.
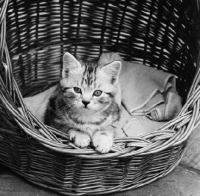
(97, 93)
(77, 90)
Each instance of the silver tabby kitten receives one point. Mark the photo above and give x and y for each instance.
(86, 103)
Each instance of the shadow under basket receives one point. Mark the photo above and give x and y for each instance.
(35, 35)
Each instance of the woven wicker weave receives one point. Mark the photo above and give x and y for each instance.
(164, 34)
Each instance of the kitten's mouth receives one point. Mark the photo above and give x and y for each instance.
(85, 107)
(86, 110)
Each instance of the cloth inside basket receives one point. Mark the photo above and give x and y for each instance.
(149, 96)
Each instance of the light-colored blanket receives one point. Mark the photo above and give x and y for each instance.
(37, 104)
(148, 96)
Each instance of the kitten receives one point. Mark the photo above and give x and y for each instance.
(86, 103)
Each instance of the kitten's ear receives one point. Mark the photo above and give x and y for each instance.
(112, 70)
(70, 64)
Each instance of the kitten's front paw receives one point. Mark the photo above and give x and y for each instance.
(102, 141)
(79, 138)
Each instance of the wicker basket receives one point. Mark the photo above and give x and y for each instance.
(164, 34)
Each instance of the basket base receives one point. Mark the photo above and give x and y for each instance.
(176, 183)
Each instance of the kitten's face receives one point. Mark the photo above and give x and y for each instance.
(89, 88)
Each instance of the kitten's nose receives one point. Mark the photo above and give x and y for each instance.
(85, 103)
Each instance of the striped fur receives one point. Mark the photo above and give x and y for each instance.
(87, 100)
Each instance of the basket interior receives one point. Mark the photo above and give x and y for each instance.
(161, 34)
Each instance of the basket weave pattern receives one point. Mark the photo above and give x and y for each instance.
(34, 36)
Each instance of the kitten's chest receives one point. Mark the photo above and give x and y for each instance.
(94, 123)
(86, 123)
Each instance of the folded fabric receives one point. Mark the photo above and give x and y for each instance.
(167, 110)
(145, 90)
(138, 126)
(135, 126)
